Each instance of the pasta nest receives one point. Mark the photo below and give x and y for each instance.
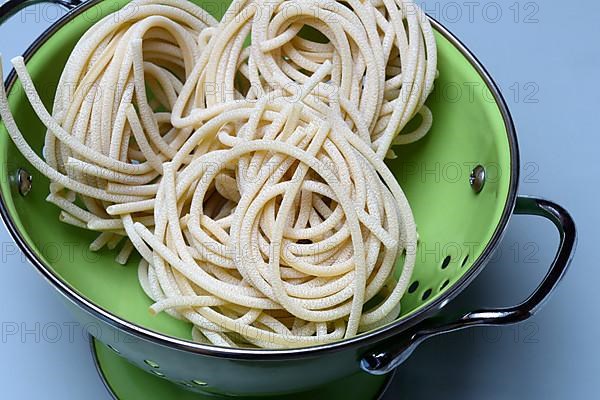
(244, 159)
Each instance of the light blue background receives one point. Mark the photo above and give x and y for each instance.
(548, 50)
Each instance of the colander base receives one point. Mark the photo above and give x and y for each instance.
(125, 381)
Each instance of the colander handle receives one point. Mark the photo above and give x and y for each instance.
(9, 8)
(396, 350)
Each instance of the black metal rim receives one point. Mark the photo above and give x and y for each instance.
(362, 340)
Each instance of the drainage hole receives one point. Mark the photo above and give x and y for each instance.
(464, 261)
(426, 294)
(446, 262)
(413, 287)
(446, 282)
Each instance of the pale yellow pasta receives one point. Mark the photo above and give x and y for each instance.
(249, 178)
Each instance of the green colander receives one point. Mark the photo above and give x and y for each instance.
(461, 181)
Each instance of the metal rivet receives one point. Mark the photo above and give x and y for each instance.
(199, 383)
(24, 180)
(477, 178)
(113, 349)
(158, 373)
(152, 363)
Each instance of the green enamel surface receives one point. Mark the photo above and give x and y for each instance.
(452, 220)
(119, 374)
